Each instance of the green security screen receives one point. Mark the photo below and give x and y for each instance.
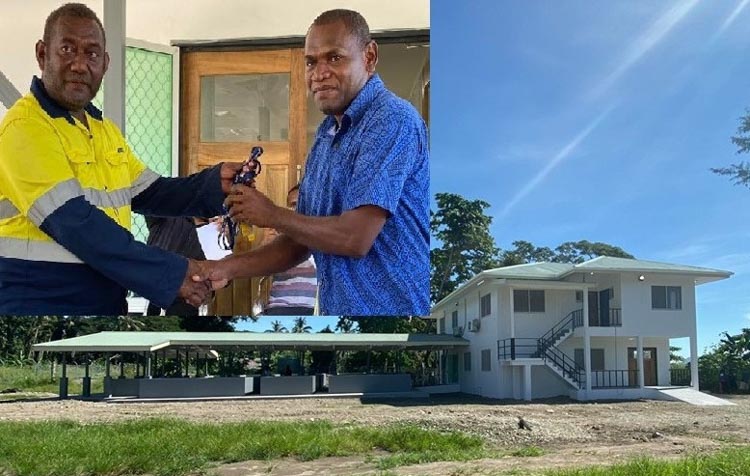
(148, 114)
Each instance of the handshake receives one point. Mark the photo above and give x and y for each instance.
(201, 279)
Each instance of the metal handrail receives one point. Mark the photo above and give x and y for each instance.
(568, 365)
(566, 323)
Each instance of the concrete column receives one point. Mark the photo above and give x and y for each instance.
(86, 387)
(694, 361)
(639, 351)
(148, 365)
(64, 379)
(586, 343)
(527, 382)
(114, 80)
(512, 313)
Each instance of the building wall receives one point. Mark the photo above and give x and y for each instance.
(638, 318)
(557, 305)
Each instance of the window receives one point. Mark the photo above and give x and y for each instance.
(467, 361)
(485, 305)
(486, 360)
(454, 319)
(528, 300)
(579, 296)
(441, 326)
(666, 297)
(597, 359)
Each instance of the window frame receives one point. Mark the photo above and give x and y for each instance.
(527, 308)
(676, 306)
(485, 299)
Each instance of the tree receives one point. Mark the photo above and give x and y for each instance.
(129, 323)
(277, 327)
(569, 252)
(300, 326)
(467, 247)
(739, 173)
(345, 325)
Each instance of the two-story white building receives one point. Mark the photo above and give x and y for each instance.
(595, 330)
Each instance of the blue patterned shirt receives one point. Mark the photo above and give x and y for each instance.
(379, 156)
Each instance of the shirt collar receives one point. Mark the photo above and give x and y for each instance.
(55, 110)
(357, 108)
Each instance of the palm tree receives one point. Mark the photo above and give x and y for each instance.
(300, 326)
(129, 323)
(345, 325)
(277, 326)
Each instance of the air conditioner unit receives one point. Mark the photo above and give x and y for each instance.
(474, 325)
(458, 331)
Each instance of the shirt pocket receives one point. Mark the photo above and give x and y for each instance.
(115, 171)
(83, 164)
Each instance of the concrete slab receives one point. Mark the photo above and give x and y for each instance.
(690, 395)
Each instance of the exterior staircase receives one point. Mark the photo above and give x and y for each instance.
(554, 358)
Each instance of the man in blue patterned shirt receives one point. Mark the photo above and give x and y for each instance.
(363, 204)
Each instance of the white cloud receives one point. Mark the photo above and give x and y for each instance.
(566, 151)
(731, 18)
(650, 37)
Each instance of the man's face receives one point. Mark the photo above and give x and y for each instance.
(337, 66)
(291, 199)
(74, 62)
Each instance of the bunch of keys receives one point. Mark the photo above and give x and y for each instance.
(245, 176)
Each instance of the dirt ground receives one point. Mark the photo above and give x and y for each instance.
(570, 433)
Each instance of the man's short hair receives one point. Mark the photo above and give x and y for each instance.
(354, 22)
(75, 10)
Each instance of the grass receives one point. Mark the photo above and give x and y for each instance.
(174, 447)
(729, 462)
(528, 452)
(37, 378)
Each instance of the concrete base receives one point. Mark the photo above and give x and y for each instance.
(369, 383)
(181, 387)
(291, 385)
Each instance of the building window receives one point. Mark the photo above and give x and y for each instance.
(579, 296)
(485, 305)
(467, 361)
(666, 297)
(454, 319)
(525, 300)
(597, 359)
(486, 360)
(441, 326)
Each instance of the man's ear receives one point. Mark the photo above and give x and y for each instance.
(371, 56)
(41, 53)
(106, 62)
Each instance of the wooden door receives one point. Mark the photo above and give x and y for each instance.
(649, 365)
(230, 102)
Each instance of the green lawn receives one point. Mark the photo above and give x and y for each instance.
(37, 378)
(729, 462)
(174, 447)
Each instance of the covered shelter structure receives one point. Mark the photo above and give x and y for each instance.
(177, 364)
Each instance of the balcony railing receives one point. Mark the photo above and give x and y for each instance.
(680, 377)
(614, 378)
(517, 348)
(615, 319)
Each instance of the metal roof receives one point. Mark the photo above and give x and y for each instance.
(152, 341)
(557, 271)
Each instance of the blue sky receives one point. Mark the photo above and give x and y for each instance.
(576, 121)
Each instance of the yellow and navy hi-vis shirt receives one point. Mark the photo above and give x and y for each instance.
(66, 195)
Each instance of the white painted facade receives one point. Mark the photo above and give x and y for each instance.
(627, 336)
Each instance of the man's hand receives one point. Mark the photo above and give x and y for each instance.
(216, 274)
(248, 205)
(228, 171)
(195, 292)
